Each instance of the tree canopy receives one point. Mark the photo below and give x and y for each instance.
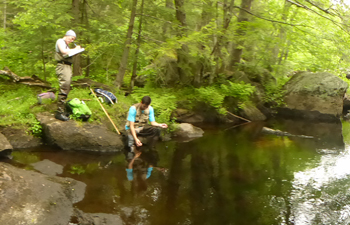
(181, 42)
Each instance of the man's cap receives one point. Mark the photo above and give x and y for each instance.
(71, 33)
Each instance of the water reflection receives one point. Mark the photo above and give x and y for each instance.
(321, 194)
(326, 135)
(140, 166)
(238, 176)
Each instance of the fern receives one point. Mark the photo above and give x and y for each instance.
(215, 96)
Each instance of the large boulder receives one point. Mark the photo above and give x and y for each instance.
(19, 138)
(187, 116)
(186, 130)
(251, 112)
(28, 197)
(316, 96)
(346, 104)
(69, 135)
(5, 146)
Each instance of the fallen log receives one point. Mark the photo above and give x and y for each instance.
(267, 130)
(31, 81)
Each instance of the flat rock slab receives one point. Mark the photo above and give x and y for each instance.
(28, 197)
(48, 167)
(71, 135)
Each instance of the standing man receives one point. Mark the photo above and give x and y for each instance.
(64, 71)
(137, 124)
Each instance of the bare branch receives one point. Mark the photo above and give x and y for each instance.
(340, 25)
(274, 21)
(31, 81)
(166, 21)
(324, 10)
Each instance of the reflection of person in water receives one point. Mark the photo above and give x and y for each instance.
(140, 168)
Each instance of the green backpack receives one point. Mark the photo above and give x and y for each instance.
(78, 109)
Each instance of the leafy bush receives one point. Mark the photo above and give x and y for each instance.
(211, 95)
(241, 91)
(17, 105)
(215, 95)
(274, 95)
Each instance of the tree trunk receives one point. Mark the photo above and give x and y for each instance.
(5, 11)
(199, 66)
(76, 22)
(278, 50)
(227, 15)
(134, 69)
(85, 21)
(283, 53)
(182, 53)
(207, 13)
(180, 12)
(124, 61)
(236, 54)
(169, 5)
(43, 55)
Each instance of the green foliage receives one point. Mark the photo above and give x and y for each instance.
(25, 158)
(17, 106)
(35, 127)
(212, 96)
(77, 169)
(84, 169)
(240, 91)
(215, 96)
(274, 95)
(282, 39)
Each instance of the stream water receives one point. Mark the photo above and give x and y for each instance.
(232, 175)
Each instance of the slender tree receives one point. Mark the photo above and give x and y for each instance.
(236, 54)
(5, 12)
(169, 5)
(227, 17)
(134, 70)
(183, 51)
(76, 24)
(124, 60)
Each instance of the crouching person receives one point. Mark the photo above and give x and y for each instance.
(137, 124)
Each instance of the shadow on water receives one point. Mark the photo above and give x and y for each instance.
(229, 176)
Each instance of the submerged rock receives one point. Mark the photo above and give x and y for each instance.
(48, 167)
(315, 96)
(28, 197)
(69, 135)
